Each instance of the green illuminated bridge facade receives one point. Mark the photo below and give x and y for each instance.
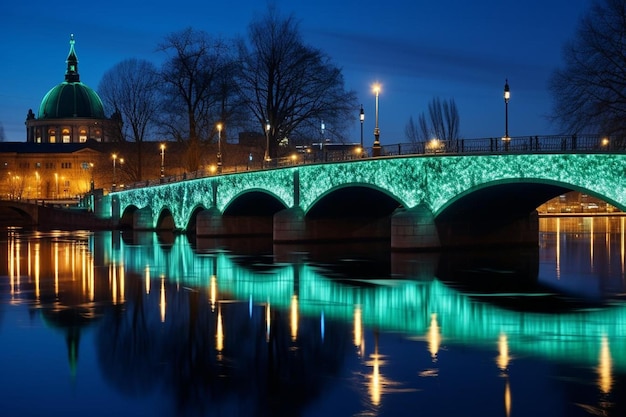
(416, 201)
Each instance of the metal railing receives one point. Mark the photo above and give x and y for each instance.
(435, 147)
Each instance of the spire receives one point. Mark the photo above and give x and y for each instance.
(71, 74)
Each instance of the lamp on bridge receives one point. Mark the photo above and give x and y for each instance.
(266, 157)
(362, 119)
(507, 96)
(219, 148)
(162, 176)
(376, 146)
(114, 156)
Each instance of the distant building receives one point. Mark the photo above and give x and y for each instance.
(71, 112)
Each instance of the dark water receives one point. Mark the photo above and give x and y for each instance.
(123, 324)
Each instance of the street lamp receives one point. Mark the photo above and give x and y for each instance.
(114, 156)
(162, 147)
(267, 141)
(362, 119)
(219, 147)
(56, 180)
(376, 147)
(507, 96)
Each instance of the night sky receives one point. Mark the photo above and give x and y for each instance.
(417, 50)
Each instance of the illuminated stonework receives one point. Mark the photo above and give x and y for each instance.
(435, 181)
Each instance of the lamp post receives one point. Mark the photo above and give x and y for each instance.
(56, 181)
(162, 177)
(507, 96)
(266, 158)
(376, 147)
(362, 119)
(114, 156)
(219, 147)
(91, 182)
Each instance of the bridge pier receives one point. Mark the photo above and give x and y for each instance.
(212, 223)
(414, 229)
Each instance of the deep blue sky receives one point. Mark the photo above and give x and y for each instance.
(417, 50)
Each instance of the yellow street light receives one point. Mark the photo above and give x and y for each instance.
(376, 146)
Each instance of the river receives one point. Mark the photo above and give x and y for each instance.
(145, 324)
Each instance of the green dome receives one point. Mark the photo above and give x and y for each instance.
(71, 99)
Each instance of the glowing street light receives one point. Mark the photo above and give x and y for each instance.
(376, 147)
(219, 147)
(362, 119)
(507, 96)
(162, 147)
(267, 141)
(114, 156)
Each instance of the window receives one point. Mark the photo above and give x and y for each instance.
(82, 135)
(49, 165)
(66, 165)
(24, 165)
(37, 164)
(65, 133)
(52, 135)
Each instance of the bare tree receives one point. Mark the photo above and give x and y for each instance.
(443, 122)
(131, 88)
(288, 85)
(198, 81)
(590, 90)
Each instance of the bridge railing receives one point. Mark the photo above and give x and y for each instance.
(495, 145)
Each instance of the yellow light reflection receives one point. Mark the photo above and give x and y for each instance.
(122, 284)
(434, 337)
(605, 365)
(377, 381)
(147, 279)
(558, 248)
(503, 358)
(56, 268)
(219, 336)
(113, 281)
(37, 270)
(507, 398)
(162, 302)
(213, 291)
(92, 279)
(294, 317)
(358, 326)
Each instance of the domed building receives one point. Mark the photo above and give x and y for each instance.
(71, 112)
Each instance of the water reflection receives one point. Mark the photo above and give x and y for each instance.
(242, 327)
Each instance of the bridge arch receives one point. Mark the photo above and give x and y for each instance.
(165, 220)
(193, 218)
(254, 202)
(127, 218)
(354, 199)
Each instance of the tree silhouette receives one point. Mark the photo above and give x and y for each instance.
(290, 86)
(590, 90)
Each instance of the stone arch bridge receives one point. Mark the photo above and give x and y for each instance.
(416, 201)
